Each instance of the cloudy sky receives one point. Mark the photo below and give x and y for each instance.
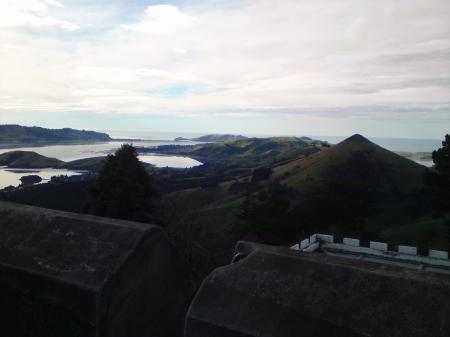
(323, 67)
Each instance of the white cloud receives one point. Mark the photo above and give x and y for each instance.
(32, 14)
(162, 20)
(316, 58)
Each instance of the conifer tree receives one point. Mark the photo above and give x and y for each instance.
(123, 189)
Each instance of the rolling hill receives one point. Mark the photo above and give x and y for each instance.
(28, 159)
(19, 135)
(355, 160)
(245, 153)
(33, 160)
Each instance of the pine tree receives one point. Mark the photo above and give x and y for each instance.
(123, 189)
(438, 180)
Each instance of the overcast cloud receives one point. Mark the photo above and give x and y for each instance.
(364, 59)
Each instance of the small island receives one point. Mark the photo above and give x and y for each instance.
(30, 179)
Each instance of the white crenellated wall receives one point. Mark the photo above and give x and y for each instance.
(378, 245)
(351, 242)
(438, 254)
(325, 238)
(407, 250)
(409, 253)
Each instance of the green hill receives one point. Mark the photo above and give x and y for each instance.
(19, 135)
(28, 159)
(356, 187)
(246, 153)
(354, 160)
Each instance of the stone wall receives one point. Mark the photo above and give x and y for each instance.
(280, 292)
(65, 274)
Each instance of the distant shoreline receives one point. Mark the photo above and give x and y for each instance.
(11, 145)
(14, 145)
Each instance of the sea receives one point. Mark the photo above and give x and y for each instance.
(407, 147)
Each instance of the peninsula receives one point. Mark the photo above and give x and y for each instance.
(17, 135)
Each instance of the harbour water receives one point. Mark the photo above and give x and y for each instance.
(10, 177)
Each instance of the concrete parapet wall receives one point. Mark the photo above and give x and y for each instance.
(73, 275)
(438, 254)
(351, 242)
(325, 238)
(407, 250)
(278, 292)
(304, 243)
(312, 248)
(378, 245)
(436, 257)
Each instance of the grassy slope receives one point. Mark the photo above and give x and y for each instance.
(251, 152)
(90, 164)
(358, 159)
(28, 159)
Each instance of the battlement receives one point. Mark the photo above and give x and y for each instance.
(406, 256)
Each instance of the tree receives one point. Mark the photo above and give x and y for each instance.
(438, 180)
(123, 189)
(441, 158)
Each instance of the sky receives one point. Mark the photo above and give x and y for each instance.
(295, 67)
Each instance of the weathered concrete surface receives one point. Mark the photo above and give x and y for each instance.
(278, 292)
(65, 274)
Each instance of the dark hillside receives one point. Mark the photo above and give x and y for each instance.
(66, 196)
(17, 134)
(28, 159)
